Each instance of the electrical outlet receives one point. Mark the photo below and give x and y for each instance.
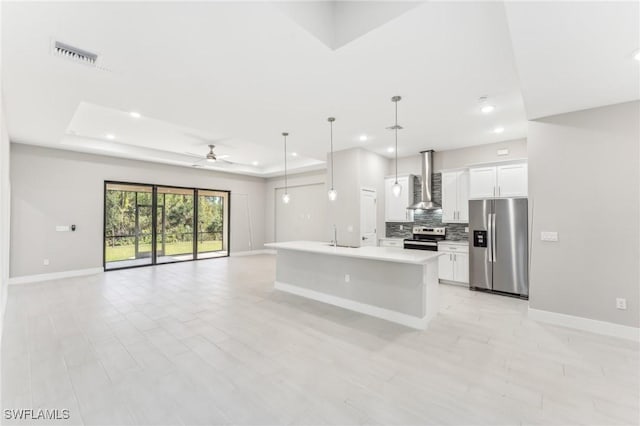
(347, 278)
(402, 227)
(466, 229)
(45, 262)
(548, 236)
(621, 303)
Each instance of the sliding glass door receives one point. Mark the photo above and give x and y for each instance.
(128, 224)
(212, 223)
(184, 223)
(174, 224)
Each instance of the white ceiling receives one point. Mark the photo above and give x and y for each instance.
(241, 73)
(575, 55)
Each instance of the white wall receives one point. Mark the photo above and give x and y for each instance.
(355, 168)
(55, 187)
(462, 157)
(305, 216)
(584, 180)
(5, 208)
(298, 181)
(344, 213)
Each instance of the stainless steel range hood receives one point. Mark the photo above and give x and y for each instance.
(426, 201)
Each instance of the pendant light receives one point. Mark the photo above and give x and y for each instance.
(333, 194)
(396, 189)
(285, 197)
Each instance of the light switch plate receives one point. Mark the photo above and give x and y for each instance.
(548, 236)
(621, 303)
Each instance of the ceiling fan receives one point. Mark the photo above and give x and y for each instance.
(210, 158)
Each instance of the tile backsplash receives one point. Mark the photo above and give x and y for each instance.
(455, 231)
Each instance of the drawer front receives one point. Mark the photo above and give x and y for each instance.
(454, 248)
(391, 243)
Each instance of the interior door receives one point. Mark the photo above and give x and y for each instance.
(368, 217)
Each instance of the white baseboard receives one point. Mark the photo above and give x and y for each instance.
(374, 311)
(586, 324)
(54, 276)
(252, 252)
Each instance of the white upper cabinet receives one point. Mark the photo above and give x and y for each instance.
(482, 182)
(507, 180)
(395, 208)
(455, 197)
(512, 180)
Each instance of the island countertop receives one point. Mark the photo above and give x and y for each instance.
(387, 254)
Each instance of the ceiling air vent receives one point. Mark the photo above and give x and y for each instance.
(73, 53)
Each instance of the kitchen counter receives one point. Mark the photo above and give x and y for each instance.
(390, 283)
(386, 254)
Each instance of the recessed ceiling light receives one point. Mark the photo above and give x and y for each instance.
(498, 130)
(294, 154)
(363, 138)
(110, 136)
(135, 114)
(636, 55)
(390, 149)
(487, 109)
(255, 163)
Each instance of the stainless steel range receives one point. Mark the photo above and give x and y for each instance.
(425, 238)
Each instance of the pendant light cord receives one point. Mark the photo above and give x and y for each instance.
(286, 190)
(396, 131)
(331, 123)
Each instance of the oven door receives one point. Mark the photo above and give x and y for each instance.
(421, 245)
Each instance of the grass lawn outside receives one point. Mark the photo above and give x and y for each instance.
(114, 254)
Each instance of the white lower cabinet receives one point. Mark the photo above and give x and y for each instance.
(453, 264)
(445, 267)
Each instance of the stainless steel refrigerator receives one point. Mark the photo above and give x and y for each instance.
(498, 246)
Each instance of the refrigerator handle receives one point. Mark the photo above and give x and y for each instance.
(489, 237)
(493, 237)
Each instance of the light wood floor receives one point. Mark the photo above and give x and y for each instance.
(211, 342)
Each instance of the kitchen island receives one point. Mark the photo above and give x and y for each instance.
(391, 283)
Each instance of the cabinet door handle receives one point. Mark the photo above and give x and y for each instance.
(454, 257)
(498, 191)
(494, 191)
(450, 257)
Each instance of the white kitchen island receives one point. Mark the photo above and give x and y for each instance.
(391, 283)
